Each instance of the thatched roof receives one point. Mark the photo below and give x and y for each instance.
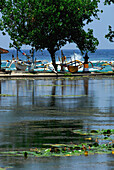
(3, 51)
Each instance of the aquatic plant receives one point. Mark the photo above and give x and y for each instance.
(7, 95)
(91, 147)
(62, 95)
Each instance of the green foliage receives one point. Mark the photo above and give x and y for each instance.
(2, 3)
(108, 2)
(50, 24)
(110, 35)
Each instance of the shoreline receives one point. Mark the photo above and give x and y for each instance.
(23, 74)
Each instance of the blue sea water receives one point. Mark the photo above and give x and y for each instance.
(100, 57)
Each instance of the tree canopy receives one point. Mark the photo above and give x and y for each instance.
(108, 2)
(110, 34)
(50, 24)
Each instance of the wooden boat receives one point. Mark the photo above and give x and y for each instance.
(113, 69)
(112, 65)
(20, 66)
(73, 69)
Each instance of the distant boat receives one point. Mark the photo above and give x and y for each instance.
(112, 65)
(20, 66)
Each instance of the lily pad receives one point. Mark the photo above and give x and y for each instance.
(90, 146)
(95, 132)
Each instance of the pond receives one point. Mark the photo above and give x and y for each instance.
(38, 112)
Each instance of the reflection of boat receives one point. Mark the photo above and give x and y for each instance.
(20, 66)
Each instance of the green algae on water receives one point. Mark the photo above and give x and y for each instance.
(7, 95)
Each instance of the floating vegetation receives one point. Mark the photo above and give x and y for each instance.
(7, 95)
(65, 150)
(107, 132)
(62, 95)
(91, 147)
(5, 168)
(60, 85)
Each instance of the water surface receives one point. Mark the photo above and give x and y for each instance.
(43, 111)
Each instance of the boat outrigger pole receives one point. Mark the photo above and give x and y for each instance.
(32, 54)
(18, 49)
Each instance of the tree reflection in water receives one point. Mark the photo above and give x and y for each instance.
(47, 110)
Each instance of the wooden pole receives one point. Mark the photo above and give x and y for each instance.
(0, 62)
(86, 66)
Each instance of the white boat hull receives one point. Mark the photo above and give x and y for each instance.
(112, 65)
(20, 66)
(112, 68)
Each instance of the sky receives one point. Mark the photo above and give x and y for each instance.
(100, 28)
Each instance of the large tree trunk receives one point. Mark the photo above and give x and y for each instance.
(53, 59)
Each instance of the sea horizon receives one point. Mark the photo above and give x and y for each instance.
(59, 49)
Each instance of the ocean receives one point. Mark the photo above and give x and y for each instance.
(99, 61)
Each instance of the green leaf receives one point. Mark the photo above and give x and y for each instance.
(3, 33)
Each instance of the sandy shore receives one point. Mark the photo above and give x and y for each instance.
(21, 74)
